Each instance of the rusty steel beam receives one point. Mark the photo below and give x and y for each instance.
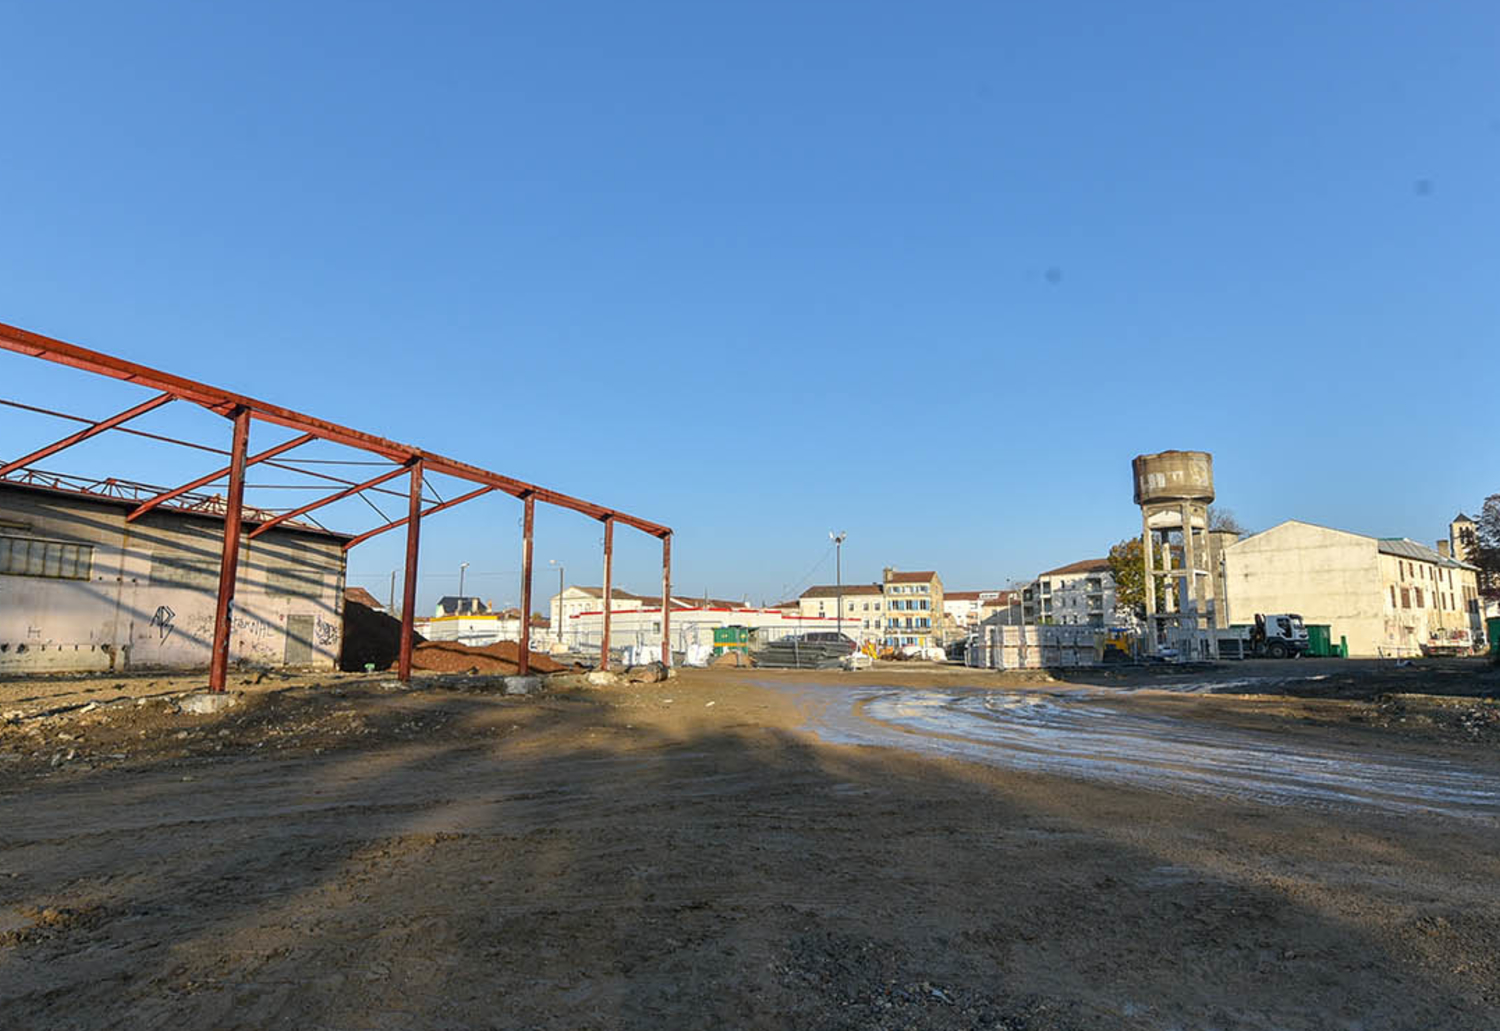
(122, 429)
(165, 496)
(86, 433)
(351, 542)
(409, 588)
(666, 600)
(34, 344)
(609, 562)
(337, 479)
(390, 474)
(523, 661)
(218, 667)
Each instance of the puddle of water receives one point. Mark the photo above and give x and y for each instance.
(1079, 733)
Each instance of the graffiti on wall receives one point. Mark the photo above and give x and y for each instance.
(326, 633)
(162, 620)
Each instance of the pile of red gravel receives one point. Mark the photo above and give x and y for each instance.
(455, 657)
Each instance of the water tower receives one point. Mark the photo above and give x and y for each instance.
(1174, 490)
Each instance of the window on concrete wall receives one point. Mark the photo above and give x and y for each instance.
(1406, 597)
(1393, 595)
(22, 556)
(1419, 598)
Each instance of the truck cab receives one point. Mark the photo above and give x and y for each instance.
(1280, 635)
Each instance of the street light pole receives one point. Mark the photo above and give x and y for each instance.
(838, 578)
(557, 630)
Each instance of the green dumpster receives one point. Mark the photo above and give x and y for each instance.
(1319, 640)
(1494, 627)
(731, 639)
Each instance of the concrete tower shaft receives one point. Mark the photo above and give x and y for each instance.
(1174, 490)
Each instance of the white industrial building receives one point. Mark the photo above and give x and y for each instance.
(480, 626)
(1384, 596)
(81, 589)
(692, 624)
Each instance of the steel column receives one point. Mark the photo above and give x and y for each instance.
(523, 661)
(666, 600)
(409, 588)
(234, 503)
(609, 561)
(85, 434)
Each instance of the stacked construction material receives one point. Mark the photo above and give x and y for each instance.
(801, 653)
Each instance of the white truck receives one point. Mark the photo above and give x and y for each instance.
(1278, 635)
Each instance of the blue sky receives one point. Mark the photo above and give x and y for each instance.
(927, 273)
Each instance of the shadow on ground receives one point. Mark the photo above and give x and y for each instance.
(468, 861)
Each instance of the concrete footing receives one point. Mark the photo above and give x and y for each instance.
(207, 703)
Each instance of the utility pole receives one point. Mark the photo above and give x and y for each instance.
(838, 577)
(391, 606)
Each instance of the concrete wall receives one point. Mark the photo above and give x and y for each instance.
(1327, 576)
(148, 596)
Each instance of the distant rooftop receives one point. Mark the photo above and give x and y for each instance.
(911, 578)
(1407, 548)
(833, 590)
(1088, 565)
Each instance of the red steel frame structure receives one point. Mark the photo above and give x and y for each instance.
(412, 461)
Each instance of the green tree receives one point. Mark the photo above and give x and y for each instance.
(1128, 568)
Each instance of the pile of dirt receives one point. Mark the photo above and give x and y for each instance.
(370, 637)
(731, 660)
(455, 657)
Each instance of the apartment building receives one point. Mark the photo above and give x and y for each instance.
(913, 609)
(861, 613)
(964, 610)
(1078, 594)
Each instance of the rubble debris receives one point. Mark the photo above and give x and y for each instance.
(522, 685)
(455, 657)
(206, 704)
(650, 673)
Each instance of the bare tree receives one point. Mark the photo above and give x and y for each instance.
(1481, 546)
(1220, 518)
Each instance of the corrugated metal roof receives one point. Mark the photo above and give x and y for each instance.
(1407, 548)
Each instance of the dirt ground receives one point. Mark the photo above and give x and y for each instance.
(342, 852)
